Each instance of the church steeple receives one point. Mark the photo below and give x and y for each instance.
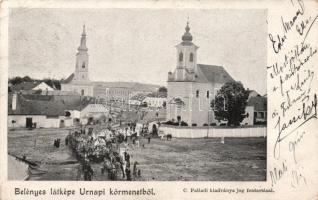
(81, 68)
(82, 46)
(186, 57)
(187, 35)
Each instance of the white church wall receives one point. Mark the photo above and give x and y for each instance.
(88, 89)
(196, 110)
(201, 111)
(181, 90)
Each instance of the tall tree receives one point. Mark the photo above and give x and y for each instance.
(162, 89)
(230, 103)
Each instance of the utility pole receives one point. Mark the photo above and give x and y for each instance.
(207, 134)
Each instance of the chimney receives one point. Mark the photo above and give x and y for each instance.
(14, 101)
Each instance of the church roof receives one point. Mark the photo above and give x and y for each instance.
(212, 74)
(68, 79)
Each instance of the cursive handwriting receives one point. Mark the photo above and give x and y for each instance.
(297, 178)
(307, 113)
(277, 173)
(292, 75)
(293, 144)
(278, 40)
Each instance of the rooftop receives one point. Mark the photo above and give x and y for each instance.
(44, 105)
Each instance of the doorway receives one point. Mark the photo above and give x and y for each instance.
(29, 122)
(62, 123)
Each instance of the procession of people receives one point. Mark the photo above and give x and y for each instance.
(108, 147)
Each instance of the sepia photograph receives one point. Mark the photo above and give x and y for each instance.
(133, 94)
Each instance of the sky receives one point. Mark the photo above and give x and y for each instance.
(136, 44)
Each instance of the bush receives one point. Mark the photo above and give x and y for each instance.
(194, 124)
(183, 123)
(223, 124)
(168, 123)
(213, 124)
(205, 124)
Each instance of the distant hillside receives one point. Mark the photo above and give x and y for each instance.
(133, 85)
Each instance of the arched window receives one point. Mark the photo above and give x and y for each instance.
(180, 56)
(83, 65)
(191, 57)
(208, 94)
(197, 93)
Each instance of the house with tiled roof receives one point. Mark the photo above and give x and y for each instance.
(41, 111)
(192, 86)
(259, 104)
(137, 99)
(93, 112)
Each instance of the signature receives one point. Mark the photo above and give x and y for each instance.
(307, 113)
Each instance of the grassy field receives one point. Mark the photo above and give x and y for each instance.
(239, 159)
(37, 146)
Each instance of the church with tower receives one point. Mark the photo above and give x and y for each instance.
(80, 83)
(192, 86)
(79, 80)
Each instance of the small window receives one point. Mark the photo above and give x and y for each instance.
(197, 93)
(83, 65)
(191, 57)
(82, 92)
(180, 56)
(208, 94)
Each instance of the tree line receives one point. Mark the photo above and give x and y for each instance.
(54, 83)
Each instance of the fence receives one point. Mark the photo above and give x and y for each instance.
(202, 132)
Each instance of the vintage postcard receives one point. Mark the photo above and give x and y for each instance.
(159, 100)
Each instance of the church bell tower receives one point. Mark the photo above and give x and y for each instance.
(81, 68)
(186, 56)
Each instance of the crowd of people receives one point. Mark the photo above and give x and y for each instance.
(108, 147)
